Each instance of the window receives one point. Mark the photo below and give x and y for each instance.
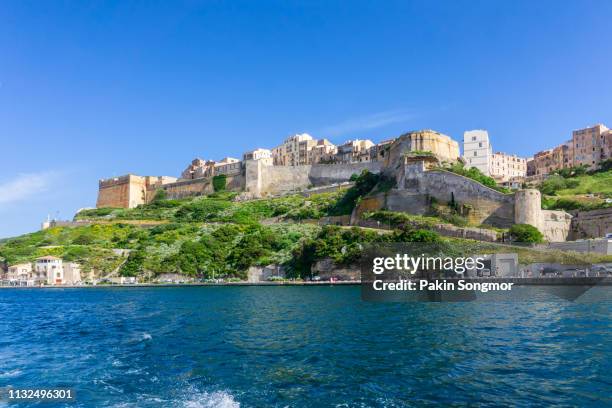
(475, 153)
(473, 138)
(480, 144)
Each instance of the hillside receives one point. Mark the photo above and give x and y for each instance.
(577, 192)
(216, 236)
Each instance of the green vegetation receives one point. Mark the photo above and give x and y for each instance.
(218, 237)
(577, 189)
(526, 233)
(475, 174)
(219, 182)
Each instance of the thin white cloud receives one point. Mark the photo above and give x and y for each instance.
(368, 122)
(25, 186)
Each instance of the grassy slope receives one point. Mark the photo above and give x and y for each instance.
(590, 192)
(598, 183)
(206, 233)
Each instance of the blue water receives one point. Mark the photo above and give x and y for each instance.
(301, 347)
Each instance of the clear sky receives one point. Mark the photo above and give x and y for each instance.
(92, 89)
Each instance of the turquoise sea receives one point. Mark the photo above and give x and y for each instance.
(302, 347)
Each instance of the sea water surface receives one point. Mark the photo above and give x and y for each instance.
(301, 347)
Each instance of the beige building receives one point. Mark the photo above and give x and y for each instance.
(323, 152)
(380, 150)
(550, 160)
(72, 273)
(19, 274)
(129, 191)
(199, 168)
(354, 151)
(294, 150)
(591, 145)
(228, 166)
(505, 167)
(441, 145)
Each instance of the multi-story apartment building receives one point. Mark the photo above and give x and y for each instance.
(505, 167)
(199, 168)
(228, 166)
(550, 160)
(294, 150)
(52, 270)
(477, 150)
(590, 145)
(608, 144)
(19, 273)
(257, 154)
(379, 150)
(323, 152)
(354, 151)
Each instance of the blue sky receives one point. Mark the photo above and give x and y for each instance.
(97, 89)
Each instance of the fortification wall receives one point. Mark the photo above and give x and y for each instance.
(591, 224)
(487, 205)
(262, 179)
(196, 187)
(121, 192)
(555, 225)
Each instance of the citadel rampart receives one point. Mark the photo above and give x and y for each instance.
(263, 179)
(418, 179)
(129, 191)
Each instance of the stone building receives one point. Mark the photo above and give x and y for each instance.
(129, 191)
(591, 145)
(379, 150)
(354, 151)
(294, 150)
(441, 145)
(550, 160)
(228, 166)
(323, 152)
(199, 168)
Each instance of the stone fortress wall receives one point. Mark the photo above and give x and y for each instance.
(418, 182)
(263, 179)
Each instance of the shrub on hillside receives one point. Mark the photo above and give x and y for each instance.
(475, 174)
(554, 183)
(526, 233)
(219, 182)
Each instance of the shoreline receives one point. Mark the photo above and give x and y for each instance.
(553, 281)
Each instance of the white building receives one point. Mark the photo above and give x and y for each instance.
(49, 269)
(52, 270)
(477, 150)
(257, 154)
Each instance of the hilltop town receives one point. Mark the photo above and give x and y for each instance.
(588, 148)
(302, 210)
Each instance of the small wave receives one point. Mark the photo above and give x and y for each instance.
(146, 336)
(217, 399)
(10, 374)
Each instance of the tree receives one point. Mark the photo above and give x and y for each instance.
(526, 233)
(219, 182)
(160, 195)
